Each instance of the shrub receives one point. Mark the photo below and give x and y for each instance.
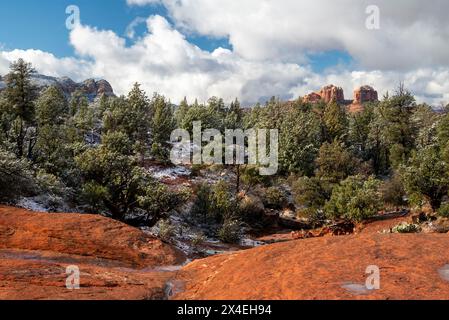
(166, 230)
(426, 176)
(230, 231)
(198, 239)
(444, 210)
(196, 170)
(214, 204)
(50, 183)
(335, 162)
(252, 212)
(201, 206)
(354, 199)
(406, 228)
(274, 198)
(16, 179)
(315, 217)
(393, 192)
(112, 179)
(311, 193)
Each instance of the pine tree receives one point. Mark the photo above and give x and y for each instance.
(234, 116)
(20, 95)
(51, 107)
(138, 119)
(52, 144)
(181, 112)
(336, 122)
(163, 123)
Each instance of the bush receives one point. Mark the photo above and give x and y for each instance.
(426, 177)
(214, 204)
(311, 193)
(230, 231)
(201, 206)
(196, 170)
(355, 199)
(393, 192)
(112, 179)
(49, 183)
(315, 217)
(252, 213)
(444, 210)
(274, 198)
(198, 239)
(166, 230)
(16, 179)
(335, 163)
(406, 228)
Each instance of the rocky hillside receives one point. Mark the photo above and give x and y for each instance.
(91, 88)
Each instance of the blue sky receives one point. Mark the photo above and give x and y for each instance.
(31, 24)
(285, 48)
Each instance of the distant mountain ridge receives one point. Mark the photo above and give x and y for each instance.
(91, 88)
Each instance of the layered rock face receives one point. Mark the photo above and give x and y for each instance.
(94, 88)
(333, 93)
(91, 88)
(312, 98)
(327, 94)
(365, 94)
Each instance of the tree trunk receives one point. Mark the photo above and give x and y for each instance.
(20, 139)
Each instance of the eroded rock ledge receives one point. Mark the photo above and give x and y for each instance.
(116, 261)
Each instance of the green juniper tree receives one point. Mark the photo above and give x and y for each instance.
(20, 95)
(162, 125)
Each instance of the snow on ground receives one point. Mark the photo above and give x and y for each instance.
(169, 173)
(31, 204)
(46, 203)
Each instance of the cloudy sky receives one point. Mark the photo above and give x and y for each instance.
(250, 49)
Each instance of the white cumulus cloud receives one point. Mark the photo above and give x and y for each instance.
(271, 41)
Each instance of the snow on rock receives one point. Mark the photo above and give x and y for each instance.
(31, 204)
(46, 203)
(169, 173)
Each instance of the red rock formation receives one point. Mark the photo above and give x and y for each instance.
(332, 93)
(312, 98)
(327, 94)
(321, 268)
(82, 234)
(116, 261)
(365, 94)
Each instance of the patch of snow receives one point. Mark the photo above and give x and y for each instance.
(169, 173)
(247, 242)
(41, 80)
(46, 203)
(356, 289)
(444, 272)
(31, 204)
